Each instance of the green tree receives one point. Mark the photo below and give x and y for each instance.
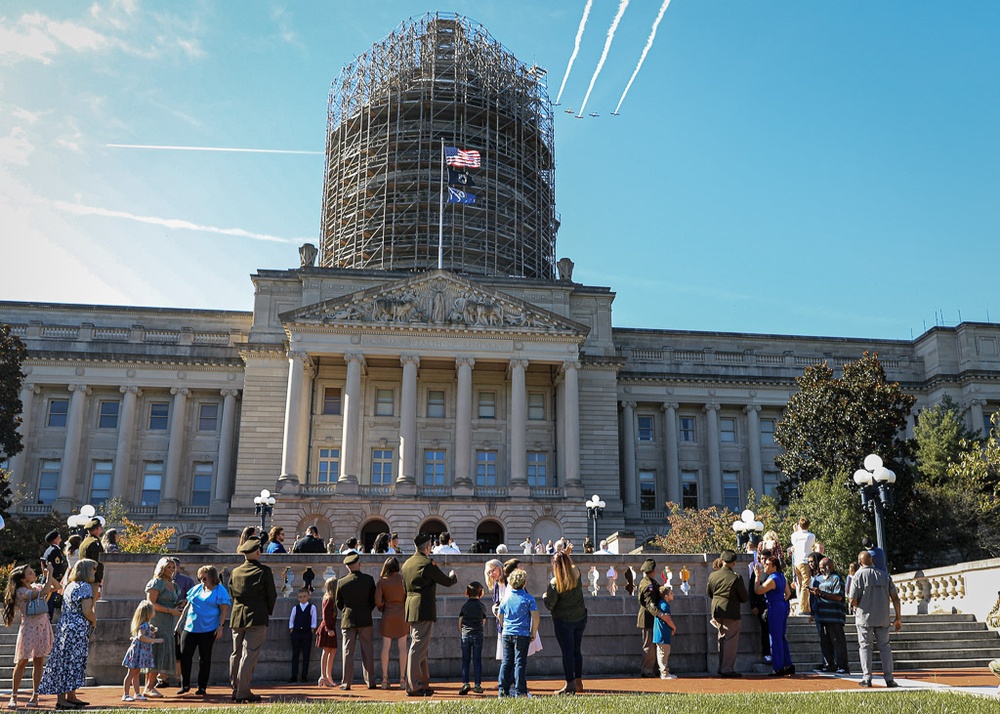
(835, 516)
(709, 530)
(23, 540)
(12, 354)
(940, 439)
(977, 474)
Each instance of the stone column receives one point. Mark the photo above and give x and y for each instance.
(975, 407)
(463, 422)
(571, 420)
(629, 475)
(714, 460)
(17, 479)
(672, 455)
(126, 435)
(753, 438)
(518, 423)
(171, 488)
(71, 451)
(408, 421)
(224, 465)
(349, 442)
(305, 421)
(293, 417)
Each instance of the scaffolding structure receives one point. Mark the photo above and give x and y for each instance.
(439, 77)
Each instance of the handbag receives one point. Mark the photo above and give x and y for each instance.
(36, 606)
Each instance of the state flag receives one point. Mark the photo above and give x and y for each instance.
(456, 195)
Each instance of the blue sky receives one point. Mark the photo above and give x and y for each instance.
(777, 167)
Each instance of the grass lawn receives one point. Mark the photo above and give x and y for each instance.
(916, 702)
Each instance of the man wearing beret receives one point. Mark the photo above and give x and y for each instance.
(420, 579)
(57, 559)
(91, 547)
(649, 611)
(251, 586)
(356, 600)
(727, 590)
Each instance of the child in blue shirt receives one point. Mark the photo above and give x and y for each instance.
(519, 614)
(663, 630)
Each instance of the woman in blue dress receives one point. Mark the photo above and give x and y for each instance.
(773, 586)
(66, 670)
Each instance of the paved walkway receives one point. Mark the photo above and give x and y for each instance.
(977, 681)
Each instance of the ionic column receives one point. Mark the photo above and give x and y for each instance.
(628, 446)
(518, 422)
(28, 392)
(71, 450)
(672, 456)
(293, 417)
(170, 502)
(463, 422)
(223, 475)
(408, 421)
(975, 407)
(753, 436)
(571, 420)
(349, 442)
(126, 434)
(714, 460)
(305, 419)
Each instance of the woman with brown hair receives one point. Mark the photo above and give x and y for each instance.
(34, 635)
(167, 602)
(390, 599)
(564, 599)
(205, 613)
(66, 670)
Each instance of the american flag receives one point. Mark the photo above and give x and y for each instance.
(464, 159)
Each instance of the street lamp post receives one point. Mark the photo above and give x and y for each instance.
(748, 529)
(77, 523)
(875, 481)
(264, 507)
(595, 506)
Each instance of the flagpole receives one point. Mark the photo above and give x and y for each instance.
(441, 215)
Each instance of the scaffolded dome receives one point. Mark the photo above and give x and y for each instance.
(439, 80)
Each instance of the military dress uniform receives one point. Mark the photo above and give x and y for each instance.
(421, 578)
(251, 586)
(91, 547)
(648, 594)
(356, 600)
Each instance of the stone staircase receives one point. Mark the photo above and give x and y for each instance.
(925, 642)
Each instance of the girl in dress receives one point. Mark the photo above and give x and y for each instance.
(34, 636)
(140, 653)
(326, 633)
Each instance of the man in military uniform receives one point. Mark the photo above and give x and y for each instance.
(421, 578)
(252, 588)
(649, 610)
(57, 559)
(91, 547)
(356, 600)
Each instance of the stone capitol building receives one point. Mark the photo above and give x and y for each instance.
(382, 387)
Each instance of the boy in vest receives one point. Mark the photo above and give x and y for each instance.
(302, 628)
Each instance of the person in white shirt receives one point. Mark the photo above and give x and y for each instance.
(802, 544)
(526, 546)
(603, 550)
(445, 544)
(301, 627)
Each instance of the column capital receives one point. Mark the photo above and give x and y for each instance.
(229, 393)
(522, 363)
(31, 388)
(409, 359)
(570, 364)
(975, 403)
(131, 389)
(465, 362)
(628, 405)
(668, 406)
(299, 355)
(710, 407)
(79, 388)
(751, 408)
(180, 391)
(355, 357)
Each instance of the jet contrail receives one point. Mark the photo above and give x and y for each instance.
(175, 223)
(645, 51)
(604, 55)
(576, 48)
(210, 148)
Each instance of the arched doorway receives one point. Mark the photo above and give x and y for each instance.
(370, 531)
(434, 527)
(489, 534)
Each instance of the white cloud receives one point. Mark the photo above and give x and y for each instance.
(16, 148)
(38, 37)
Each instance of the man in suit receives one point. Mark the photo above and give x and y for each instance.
(251, 586)
(356, 600)
(649, 611)
(420, 579)
(91, 547)
(728, 591)
(310, 542)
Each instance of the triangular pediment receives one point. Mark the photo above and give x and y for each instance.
(435, 300)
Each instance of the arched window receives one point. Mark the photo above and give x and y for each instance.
(489, 535)
(370, 531)
(434, 527)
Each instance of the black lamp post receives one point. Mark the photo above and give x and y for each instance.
(595, 507)
(876, 481)
(264, 507)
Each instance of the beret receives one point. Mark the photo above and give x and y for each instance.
(351, 558)
(251, 545)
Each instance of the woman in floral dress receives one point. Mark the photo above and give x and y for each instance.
(66, 670)
(168, 604)
(34, 636)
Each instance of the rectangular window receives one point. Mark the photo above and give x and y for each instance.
(331, 400)
(767, 432)
(536, 406)
(727, 430)
(382, 467)
(329, 465)
(487, 405)
(771, 483)
(731, 490)
(686, 429)
(647, 490)
(201, 485)
(159, 413)
(538, 467)
(645, 431)
(208, 417)
(689, 489)
(58, 409)
(48, 480)
(100, 481)
(107, 415)
(486, 468)
(384, 402)
(152, 482)
(433, 468)
(435, 403)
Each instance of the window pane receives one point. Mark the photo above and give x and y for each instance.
(433, 468)
(382, 467)
(487, 405)
(645, 431)
(383, 402)
(731, 490)
(538, 468)
(331, 400)
(208, 417)
(727, 431)
(48, 480)
(107, 417)
(647, 490)
(687, 429)
(767, 432)
(689, 489)
(58, 409)
(100, 482)
(486, 468)
(435, 403)
(329, 465)
(201, 485)
(158, 413)
(536, 406)
(152, 481)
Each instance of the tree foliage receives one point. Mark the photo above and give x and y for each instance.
(977, 474)
(23, 540)
(941, 439)
(12, 355)
(136, 538)
(709, 530)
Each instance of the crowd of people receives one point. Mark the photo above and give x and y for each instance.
(181, 616)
